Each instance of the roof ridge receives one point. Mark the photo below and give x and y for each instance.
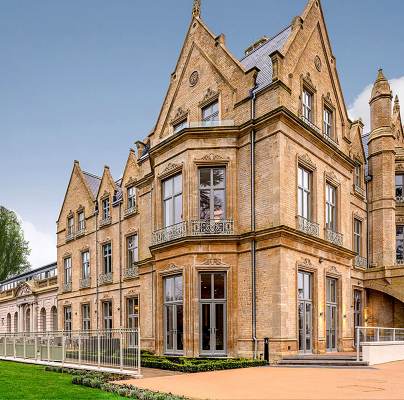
(93, 175)
(263, 44)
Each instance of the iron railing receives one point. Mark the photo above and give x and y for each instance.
(360, 261)
(117, 349)
(131, 272)
(105, 221)
(399, 261)
(307, 226)
(169, 233)
(81, 232)
(105, 278)
(212, 227)
(369, 334)
(67, 287)
(129, 211)
(399, 199)
(69, 236)
(334, 237)
(85, 283)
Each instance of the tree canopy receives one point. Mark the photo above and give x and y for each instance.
(14, 250)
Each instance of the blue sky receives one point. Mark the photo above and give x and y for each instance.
(85, 79)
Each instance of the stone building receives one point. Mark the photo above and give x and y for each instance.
(28, 301)
(244, 213)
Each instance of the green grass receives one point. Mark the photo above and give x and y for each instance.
(32, 382)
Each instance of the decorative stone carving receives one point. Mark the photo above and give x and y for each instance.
(305, 263)
(317, 63)
(131, 181)
(194, 78)
(170, 267)
(333, 270)
(212, 157)
(400, 167)
(400, 218)
(212, 261)
(357, 215)
(331, 175)
(209, 95)
(23, 290)
(196, 9)
(170, 168)
(179, 114)
(305, 158)
(307, 79)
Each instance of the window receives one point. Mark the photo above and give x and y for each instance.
(43, 319)
(8, 323)
(400, 242)
(81, 221)
(307, 103)
(132, 250)
(85, 264)
(107, 255)
(399, 186)
(212, 193)
(211, 112)
(328, 123)
(173, 315)
(358, 175)
(70, 226)
(357, 236)
(131, 193)
(304, 193)
(180, 126)
(54, 316)
(107, 314)
(105, 208)
(16, 322)
(331, 207)
(132, 309)
(85, 315)
(172, 200)
(68, 318)
(68, 270)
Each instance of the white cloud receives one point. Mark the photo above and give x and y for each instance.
(360, 107)
(42, 245)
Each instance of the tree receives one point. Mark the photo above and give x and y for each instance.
(14, 250)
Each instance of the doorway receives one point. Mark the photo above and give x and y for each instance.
(305, 311)
(331, 314)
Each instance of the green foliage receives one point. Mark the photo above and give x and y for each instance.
(14, 250)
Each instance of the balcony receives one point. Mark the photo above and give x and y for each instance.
(85, 283)
(400, 199)
(334, 237)
(361, 262)
(67, 287)
(212, 227)
(400, 261)
(129, 211)
(106, 221)
(358, 190)
(70, 236)
(131, 272)
(169, 233)
(104, 279)
(81, 232)
(310, 124)
(306, 226)
(330, 139)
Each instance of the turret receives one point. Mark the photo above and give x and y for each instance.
(381, 189)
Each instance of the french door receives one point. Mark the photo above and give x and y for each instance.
(213, 314)
(331, 314)
(305, 311)
(173, 315)
(357, 312)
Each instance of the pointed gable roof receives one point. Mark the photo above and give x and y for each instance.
(260, 59)
(93, 182)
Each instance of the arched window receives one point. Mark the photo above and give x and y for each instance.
(43, 319)
(54, 318)
(8, 323)
(28, 320)
(16, 322)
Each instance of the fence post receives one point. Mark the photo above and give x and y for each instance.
(358, 341)
(25, 347)
(49, 358)
(377, 334)
(63, 348)
(394, 334)
(79, 349)
(99, 348)
(36, 347)
(5, 345)
(121, 350)
(138, 351)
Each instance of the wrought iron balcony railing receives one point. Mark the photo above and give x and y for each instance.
(310, 124)
(334, 237)
(330, 139)
(307, 226)
(131, 272)
(169, 233)
(69, 236)
(399, 261)
(129, 211)
(85, 283)
(399, 199)
(212, 227)
(359, 190)
(81, 231)
(67, 287)
(360, 261)
(105, 278)
(105, 221)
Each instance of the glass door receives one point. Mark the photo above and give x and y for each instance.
(331, 314)
(173, 315)
(357, 312)
(213, 314)
(305, 311)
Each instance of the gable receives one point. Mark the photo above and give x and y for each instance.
(131, 171)
(107, 184)
(357, 150)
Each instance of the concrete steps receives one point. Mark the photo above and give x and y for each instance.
(313, 360)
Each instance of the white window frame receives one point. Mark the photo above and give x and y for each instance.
(307, 105)
(170, 201)
(85, 264)
(132, 250)
(331, 207)
(107, 257)
(67, 267)
(328, 122)
(106, 210)
(304, 183)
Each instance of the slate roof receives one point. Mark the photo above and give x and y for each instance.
(365, 139)
(93, 182)
(260, 57)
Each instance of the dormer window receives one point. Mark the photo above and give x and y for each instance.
(105, 208)
(81, 221)
(307, 105)
(357, 175)
(210, 112)
(327, 123)
(180, 126)
(70, 226)
(131, 192)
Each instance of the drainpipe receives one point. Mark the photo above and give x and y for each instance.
(96, 262)
(253, 242)
(367, 180)
(120, 264)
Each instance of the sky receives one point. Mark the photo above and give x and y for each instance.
(85, 79)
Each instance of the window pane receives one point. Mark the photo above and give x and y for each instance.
(168, 212)
(219, 204)
(178, 209)
(218, 177)
(204, 177)
(169, 289)
(204, 204)
(178, 287)
(168, 188)
(206, 286)
(178, 184)
(219, 286)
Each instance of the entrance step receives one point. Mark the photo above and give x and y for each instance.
(322, 360)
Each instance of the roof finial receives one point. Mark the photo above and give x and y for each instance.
(196, 9)
(380, 75)
(396, 107)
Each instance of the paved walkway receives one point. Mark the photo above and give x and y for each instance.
(381, 382)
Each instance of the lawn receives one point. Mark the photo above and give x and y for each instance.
(32, 382)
